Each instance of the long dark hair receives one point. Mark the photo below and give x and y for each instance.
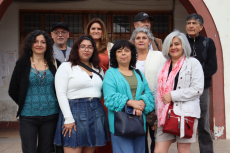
(74, 54)
(122, 44)
(29, 41)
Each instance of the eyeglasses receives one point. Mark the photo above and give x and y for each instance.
(63, 33)
(83, 47)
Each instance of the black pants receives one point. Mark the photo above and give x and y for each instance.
(205, 138)
(37, 128)
(151, 133)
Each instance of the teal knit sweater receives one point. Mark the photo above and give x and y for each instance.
(117, 91)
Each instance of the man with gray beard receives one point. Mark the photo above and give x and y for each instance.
(60, 34)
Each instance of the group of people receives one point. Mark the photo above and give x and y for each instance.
(65, 95)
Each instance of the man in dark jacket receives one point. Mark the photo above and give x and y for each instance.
(204, 50)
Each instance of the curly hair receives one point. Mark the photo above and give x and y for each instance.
(122, 44)
(26, 48)
(104, 38)
(74, 54)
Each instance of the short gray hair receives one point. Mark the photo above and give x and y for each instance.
(168, 41)
(144, 30)
(196, 17)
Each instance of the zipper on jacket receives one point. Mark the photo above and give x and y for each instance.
(194, 52)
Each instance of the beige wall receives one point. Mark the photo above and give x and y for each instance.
(9, 30)
(220, 12)
(180, 17)
(9, 41)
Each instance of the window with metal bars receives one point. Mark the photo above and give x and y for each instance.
(119, 25)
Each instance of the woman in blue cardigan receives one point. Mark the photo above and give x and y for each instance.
(123, 85)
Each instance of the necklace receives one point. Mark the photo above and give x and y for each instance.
(44, 73)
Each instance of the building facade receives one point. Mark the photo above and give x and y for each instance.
(19, 17)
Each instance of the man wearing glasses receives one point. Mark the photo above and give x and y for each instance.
(60, 34)
(204, 50)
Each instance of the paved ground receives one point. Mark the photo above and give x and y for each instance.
(10, 143)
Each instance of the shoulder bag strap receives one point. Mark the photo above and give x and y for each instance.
(90, 69)
(138, 71)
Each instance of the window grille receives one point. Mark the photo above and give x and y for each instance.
(32, 22)
(100, 16)
(119, 25)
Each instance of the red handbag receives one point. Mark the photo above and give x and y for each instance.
(173, 121)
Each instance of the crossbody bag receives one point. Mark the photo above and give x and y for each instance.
(173, 123)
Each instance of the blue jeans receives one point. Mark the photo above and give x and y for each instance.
(128, 144)
(37, 128)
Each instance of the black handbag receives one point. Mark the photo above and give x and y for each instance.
(128, 124)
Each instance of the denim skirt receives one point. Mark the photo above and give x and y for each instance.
(91, 124)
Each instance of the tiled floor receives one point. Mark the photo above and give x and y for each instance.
(10, 143)
(220, 146)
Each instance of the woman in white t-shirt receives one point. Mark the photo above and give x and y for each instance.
(148, 62)
(82, 123)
